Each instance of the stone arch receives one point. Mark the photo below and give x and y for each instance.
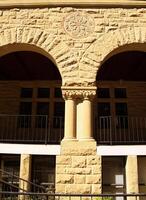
(43, 42)
(109, 44)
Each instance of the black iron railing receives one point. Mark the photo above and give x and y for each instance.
(120, 130)
(31, 129)
(12, 183)
(46, 196)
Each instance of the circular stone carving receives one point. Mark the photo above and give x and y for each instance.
(79, 25)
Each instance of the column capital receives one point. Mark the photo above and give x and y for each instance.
(78, 92)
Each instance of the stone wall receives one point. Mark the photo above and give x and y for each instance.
(78, 169)
(77, 39)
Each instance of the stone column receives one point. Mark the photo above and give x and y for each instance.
(78, 167)
(131, 176)
(84, 114)
(85, 120)
(70, 116)
(25, 172)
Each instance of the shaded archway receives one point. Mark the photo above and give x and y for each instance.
(128, 66)
(31, 103)
(27, 65)
(120, 104)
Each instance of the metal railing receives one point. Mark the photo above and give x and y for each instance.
(120, 130)
(31, 129)
(46, 196)
(11, 183)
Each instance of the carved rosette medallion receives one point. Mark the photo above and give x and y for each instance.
(79, 25)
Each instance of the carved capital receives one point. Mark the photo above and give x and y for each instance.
(79, 92)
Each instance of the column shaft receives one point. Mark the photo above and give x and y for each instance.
(85, 120)
(25, 171)
(70, 119)
(131, 176)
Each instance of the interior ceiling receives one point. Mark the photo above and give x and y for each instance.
(26, 65)
(130, 66)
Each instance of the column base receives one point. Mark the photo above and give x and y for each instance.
(69, 140)
(87, 139)
(78, 168)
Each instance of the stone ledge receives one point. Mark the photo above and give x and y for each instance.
(39, 3)
(79, 148)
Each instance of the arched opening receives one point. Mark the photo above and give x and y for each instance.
(31, 111)
(120, 109)
(31, 104)
(120, 104)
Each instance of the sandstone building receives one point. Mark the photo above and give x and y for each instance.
(72, 95)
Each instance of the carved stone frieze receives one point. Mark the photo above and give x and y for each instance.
(78, 92)
(79, 25)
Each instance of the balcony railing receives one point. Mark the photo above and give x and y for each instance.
(120, 130)
(31, 129)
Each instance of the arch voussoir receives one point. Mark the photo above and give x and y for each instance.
(108, 43)
(48, 42)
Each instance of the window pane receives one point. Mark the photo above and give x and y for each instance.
(59, 109)
(103, 115)
(42, 108)
(120, 93)
(121, 109)
(43, 92)
(103, 93)
(58, 93)
(24, 121)
(103, 109)
(58, 121)
(26, 92)
(122, 115)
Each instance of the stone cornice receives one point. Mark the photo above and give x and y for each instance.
(78, 92)
(86, 3)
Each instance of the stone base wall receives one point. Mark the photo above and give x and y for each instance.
(78, 169)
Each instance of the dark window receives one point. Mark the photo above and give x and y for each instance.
(58, 121)
(24, 120)
(42, 115)
(103, 109)
(103, 93)
(58, 93)
(104, 115)
(42, 108)
(121, 115)
(26, 92)
(121, 109)
(43, 92)
(120, 93)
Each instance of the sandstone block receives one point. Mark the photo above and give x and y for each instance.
(63, 160)
(60, 188)
(94, 160)
(64, 178)
(61, 169)
(79, 161)
(96, 189)
(96, 169)
(79, 179)
(82, 148)
(93, 179)
(78, 170)
(78, 189)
